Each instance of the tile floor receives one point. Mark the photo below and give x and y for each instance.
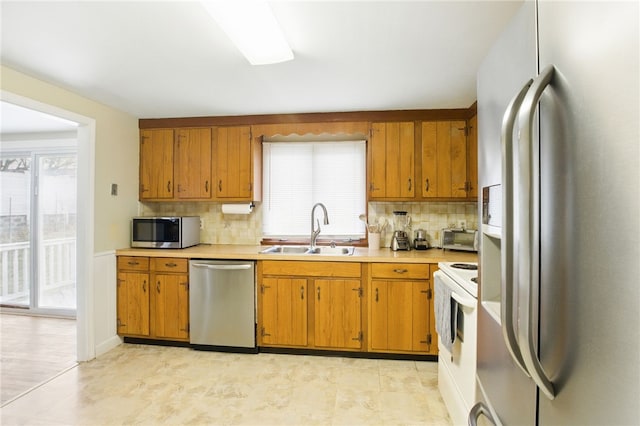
(155, 385)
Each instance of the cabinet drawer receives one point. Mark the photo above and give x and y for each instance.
(311, 269)
(400, 270)
(133, 263)
(169, 264)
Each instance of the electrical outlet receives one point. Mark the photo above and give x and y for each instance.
(462, 224)
(201, 223)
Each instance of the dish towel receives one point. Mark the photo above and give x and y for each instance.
(446, 314)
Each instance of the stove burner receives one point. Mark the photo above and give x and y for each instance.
(475, 280)
(467, 266)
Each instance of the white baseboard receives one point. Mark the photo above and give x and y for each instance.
(107, 345)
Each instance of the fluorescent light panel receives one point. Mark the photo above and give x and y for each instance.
(253, 29)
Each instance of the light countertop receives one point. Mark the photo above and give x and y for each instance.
(252, 252)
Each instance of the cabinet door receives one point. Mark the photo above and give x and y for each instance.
(171, 306)
(421, 311)
(392, 161)
(284, 311)
(193, 163)
(379, 307)
(337, 314)
(400, 315)
(133, 303)
(156, 164)
(232, 153)
(472, 158)
(444, 159)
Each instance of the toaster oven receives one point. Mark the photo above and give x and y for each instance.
(459, 239)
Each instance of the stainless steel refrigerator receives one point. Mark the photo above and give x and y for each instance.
(559, 164)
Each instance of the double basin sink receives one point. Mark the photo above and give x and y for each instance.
(336, 251)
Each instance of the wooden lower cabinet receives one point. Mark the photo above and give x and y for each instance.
(133, 296)
(401, 309)
(337, 313)
(153, 298)
(284, 311)
(315, 305)
(133, 303)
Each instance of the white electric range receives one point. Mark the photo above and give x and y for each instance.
(457, 368)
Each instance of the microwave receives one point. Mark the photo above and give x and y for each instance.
(459, 239)
(165, 232)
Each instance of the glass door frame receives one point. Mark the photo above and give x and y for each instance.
(35, 242)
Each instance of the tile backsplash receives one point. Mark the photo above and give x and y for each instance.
(247, 229)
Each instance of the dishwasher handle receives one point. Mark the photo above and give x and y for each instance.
(223, 267)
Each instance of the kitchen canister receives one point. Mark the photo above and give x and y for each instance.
(374, 240)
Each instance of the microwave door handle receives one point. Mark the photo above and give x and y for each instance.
(507, 254)
(528, 231)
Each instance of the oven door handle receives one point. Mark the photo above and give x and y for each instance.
(467, 302)
(508, 255)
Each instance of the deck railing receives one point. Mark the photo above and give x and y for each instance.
(57, 268)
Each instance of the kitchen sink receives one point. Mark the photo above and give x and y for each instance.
(285, 250)
(345, 251)
(336, 251)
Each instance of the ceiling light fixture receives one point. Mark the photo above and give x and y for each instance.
(253, 29)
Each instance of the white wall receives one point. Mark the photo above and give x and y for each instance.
(114, 159)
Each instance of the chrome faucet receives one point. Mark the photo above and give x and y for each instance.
(314, 232)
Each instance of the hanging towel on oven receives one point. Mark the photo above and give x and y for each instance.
(446, 314)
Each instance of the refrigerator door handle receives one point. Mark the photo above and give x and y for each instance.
(507, 254)
(478, 410)
(527, 228)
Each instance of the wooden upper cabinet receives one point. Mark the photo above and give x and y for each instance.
(156, 164)
(193, 164)
(472, 157)
(233, 159)
(444, 159)
(391, 161)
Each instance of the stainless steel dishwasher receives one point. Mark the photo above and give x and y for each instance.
(222, 312)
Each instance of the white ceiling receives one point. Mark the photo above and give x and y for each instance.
(170, 59)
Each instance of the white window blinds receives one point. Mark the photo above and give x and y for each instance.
(296, 175)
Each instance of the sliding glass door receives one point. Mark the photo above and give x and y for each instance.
(38, 240)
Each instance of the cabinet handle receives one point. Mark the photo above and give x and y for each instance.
(206, 186)
(409, 185)
(158, 286)
(318, 293)
(144, 286)
(133, 262)
(376, 294)
(168, 186)
(220, 185)
(426, 185)
(400, 271)
(302, 292)
(170, 265)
